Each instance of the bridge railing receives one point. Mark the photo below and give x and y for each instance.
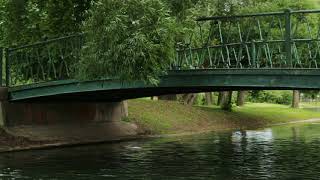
(288, 39)
(50, 60)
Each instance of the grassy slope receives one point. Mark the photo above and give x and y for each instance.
(273, 113)
(162, 117)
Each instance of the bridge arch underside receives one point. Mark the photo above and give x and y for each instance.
(175, 82)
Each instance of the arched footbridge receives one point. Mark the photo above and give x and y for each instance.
(278, 50)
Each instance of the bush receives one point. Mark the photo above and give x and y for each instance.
(277, 97)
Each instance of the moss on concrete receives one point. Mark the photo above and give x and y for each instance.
(164, 117)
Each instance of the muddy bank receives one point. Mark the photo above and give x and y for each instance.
(39, 137)
(10, 142)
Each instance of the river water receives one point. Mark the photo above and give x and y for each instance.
(281, 152)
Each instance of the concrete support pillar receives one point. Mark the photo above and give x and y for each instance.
(66, 122)
(2, 115)
(110, 112)
(48, 113)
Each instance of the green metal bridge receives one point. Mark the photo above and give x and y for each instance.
(278, 50)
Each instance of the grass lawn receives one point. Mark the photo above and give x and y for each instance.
(275, 113)
(164, 117)
(310, 104)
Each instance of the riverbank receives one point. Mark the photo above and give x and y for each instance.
(165, 117)
(153, 118)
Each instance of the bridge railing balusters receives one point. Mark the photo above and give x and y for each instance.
(275, 40)
(7, 66)
(44, 61)
(289, 39)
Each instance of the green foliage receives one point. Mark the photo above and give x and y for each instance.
(314, 3)
(27, 21)
(311, 94)
(255, 6)
(2, 21)
(200, 99)
(186, 12)
(130, 39)
(277, 97)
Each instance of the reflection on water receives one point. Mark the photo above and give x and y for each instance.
(283, 152)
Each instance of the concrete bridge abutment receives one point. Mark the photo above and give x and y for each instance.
(76, 122)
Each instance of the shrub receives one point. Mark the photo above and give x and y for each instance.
(278, 97)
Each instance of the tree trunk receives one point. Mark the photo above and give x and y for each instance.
(188, 99)
(220, 96)
(241, 98)
(296, 99)
(226, 101)
(171, 97)
(208, 98)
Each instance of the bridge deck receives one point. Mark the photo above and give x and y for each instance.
(187, 81)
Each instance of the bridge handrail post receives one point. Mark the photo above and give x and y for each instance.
(1, 65)
(288, 37)
(5, 61)
(254, 54)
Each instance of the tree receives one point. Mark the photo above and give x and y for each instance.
(189, 99)
(226, 100)
(15, 24)
(208, 98)
(220, 95)
(64, 17)
(129, 39)
(2, 21)
(28, 21)
(310, 94)
(296, 99)
(241, 98)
